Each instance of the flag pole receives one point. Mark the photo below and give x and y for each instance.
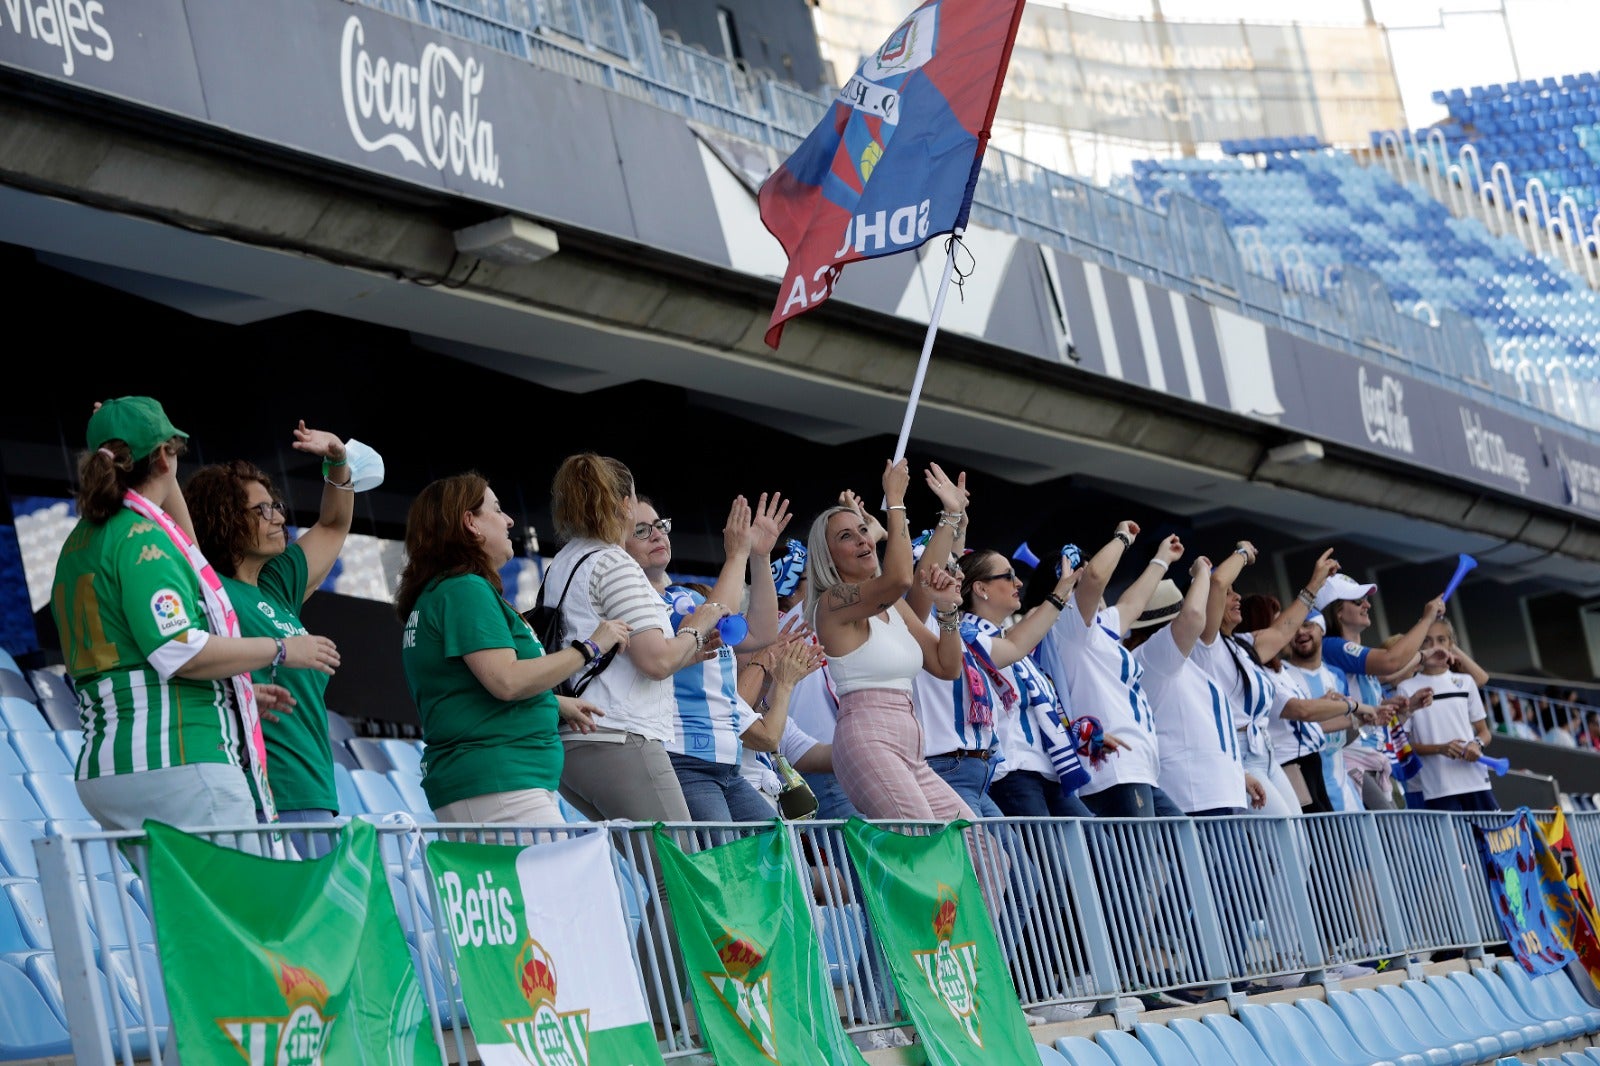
(927, 347)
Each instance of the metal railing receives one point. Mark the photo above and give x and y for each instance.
(1185, 246)
(1084, 910)
(1511, 709)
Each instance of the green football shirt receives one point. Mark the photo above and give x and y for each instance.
(476, 744)
(122, 591)
(299, 761)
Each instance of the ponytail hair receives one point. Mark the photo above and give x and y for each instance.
(107, 472)
(586, 498)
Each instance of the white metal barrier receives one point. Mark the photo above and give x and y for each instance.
(1085, 911)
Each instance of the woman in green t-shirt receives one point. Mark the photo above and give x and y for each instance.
(243, 529)
(481, 680)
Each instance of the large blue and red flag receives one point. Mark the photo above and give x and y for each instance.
(896, 158)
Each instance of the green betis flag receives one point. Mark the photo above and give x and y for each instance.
(293, 963)
(542, 947)
(934, 929)
(761, 993)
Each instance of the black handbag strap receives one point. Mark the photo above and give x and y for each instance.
(538, 601)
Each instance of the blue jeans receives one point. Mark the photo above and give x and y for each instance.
(1030, 794)
(970, 778)
(715, 792)
(831, 800)
(309, 845)
(1465, 801)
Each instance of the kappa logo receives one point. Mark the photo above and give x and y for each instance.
(139, 529)
(546, 1037)
(166, 607)
(150, 553)
(952, 969)
(748, 999)
(295, 1039)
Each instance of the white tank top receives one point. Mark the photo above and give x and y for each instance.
(889, 658)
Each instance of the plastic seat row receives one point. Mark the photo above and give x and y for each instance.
(1447, 1020)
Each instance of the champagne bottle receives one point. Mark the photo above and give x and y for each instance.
(796, 801)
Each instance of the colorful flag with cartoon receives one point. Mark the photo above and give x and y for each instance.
(896, 158)
(542, 946)
(761, 992)
(1524, 892)
(1576, 919)
(931, 921)
(285, 962)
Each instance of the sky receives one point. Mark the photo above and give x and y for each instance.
(1435, 45)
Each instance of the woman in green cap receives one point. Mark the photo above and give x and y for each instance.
(171, 726)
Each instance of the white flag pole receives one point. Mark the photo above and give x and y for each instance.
(927, 347)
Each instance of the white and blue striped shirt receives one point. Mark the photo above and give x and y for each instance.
(709, 715)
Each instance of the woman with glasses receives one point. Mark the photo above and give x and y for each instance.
(148, 632)
(711, 724)
(243, 529)
(1003, 688)
(621, 769)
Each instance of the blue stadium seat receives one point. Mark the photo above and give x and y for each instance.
(1536, 1034)
(17, 803)
(369, 754)
(349, 798)
(1080, 1051)
(1564, 1028)
(1513, 1039)
(1384, 1034)
(1244, 1048)
(842, 931)
(40, 753)
(19, 714)
(10, 761)
(1124, 1048)
(42, 971)
(97, 855)
(16, 848)
(111, 929)
(409, 788)
(57, 700)
(1275, 1038)
(8, 664)
(1541, 998)
(1405, 1017)
(1559, 991)
(126, 979)
(404, 754)
(27, 904)
(57, 794)
(339, 728)
(377, 795)
(1205, 1045)
(1345, 1045)
(1455, 1027)
(1049, 1056)
(1165, 1046)
(28, 1027)
(71, 742)
(14, 686)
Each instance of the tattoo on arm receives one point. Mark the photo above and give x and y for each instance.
(844, 595)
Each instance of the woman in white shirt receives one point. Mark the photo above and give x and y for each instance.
(621, 769)
(876, 643)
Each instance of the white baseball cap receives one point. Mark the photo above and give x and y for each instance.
(1339, 587)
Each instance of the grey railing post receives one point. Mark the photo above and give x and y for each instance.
(60, 870)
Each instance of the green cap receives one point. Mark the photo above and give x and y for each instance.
(137, 420)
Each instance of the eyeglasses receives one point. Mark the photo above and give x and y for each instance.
(1007, 575)
(643, 530)
(268, 509)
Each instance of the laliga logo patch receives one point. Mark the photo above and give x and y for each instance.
(296, 1039)
(546, 1037)
(166, 607)
(952, 969)
(266, 609)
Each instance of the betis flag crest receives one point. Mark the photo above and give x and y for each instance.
(761, 993)
(930, 919)
(541, 946)
(286, 963)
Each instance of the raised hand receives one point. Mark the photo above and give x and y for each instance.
(770, 520)
(1326, 567)
(952, 494)
(794, 661)
(736, 531)
(1200, 570)
(317, 442)
(1249, 550)
(896, 476)
(875, 529)
(1128, 526)
(946, 589)
(1170, 550)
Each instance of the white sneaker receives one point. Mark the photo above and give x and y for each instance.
(1350, 970)
(1063, 1012)
(1288, 980)
(878, 1039)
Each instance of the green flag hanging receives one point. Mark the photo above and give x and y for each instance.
(541, 945)
(298, 963)
(761, 993)
(934, 929)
